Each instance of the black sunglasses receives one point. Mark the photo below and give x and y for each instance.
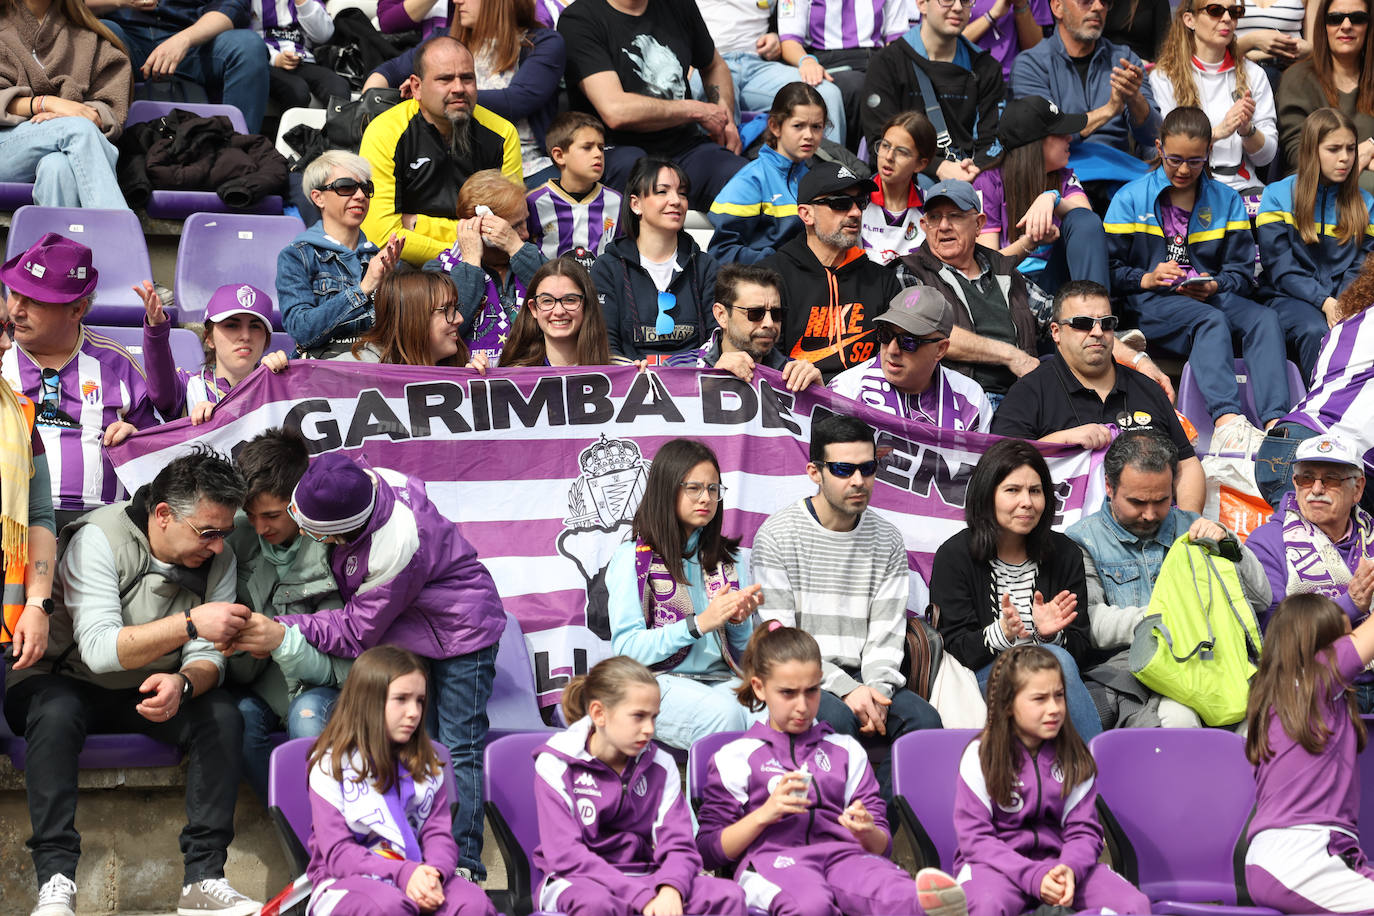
(846, 469)
(756, 313)
(1217, 10)
(841, 203)
(1356, 17)
(1085, 323)
(347, 187)
(909, 343)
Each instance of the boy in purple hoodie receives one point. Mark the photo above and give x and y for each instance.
(615, 837)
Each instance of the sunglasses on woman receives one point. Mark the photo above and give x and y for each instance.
(1356, 17)
(1216, 11)
(347, 187)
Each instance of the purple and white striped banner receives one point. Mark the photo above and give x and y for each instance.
(543, 468)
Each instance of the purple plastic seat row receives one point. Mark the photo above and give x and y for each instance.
(217, 249)
(15, 194)
(1192, 405)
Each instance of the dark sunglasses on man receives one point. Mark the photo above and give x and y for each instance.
(840, 203)
(846, 469)
(755, 313)
(908, 343)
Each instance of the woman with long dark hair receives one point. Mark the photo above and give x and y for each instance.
(1009, 579)
(677, 595)
(561, 323)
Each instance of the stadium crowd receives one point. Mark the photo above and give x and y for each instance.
(987, 216)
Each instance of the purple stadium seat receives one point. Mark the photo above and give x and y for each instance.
(187, 351)
(221, 248)
(282, 341)
(1174, 803)
(288, 802)
(925, 772)
(101, 752)
(508, 783)
(166, 204)
(513, 706)
(699, 761)
(15, 194)
(1192, 405)
(118, 252)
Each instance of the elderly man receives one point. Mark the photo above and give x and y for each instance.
(1124, 544)
(1319, 539)
(423, 149)
(143, 594)
(906, 379)
(831, 289)
(88, 390)
(749, 312)
(1080, 71)
(1073, 396)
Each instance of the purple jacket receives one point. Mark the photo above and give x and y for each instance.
(629, 832)
(1042, 828)
(741, 776)
(428, 594)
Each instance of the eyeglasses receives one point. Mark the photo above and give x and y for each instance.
(694, 490)
(840, 203)
(846, 469)
(1085, 323)
(897, 152)
(1217, 10)
(1356, 17)
(1195, 164)
(756, 313)
(571, 302)
(1330, 481)
(207, 534)
(909, 343)
(7, 328)
(946, 4)
(1088, 4)
(450, 311)
(664, 323)
(347, 187)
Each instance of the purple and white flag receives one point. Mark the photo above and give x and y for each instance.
(543, 468)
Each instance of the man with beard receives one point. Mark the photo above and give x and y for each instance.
(424, 148)
(749, 313)
(1124, 544)
(1080, 71)
(1320, 540)
(905, 378)
(831, 288)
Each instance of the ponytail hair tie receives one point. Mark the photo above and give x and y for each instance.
(774, 625)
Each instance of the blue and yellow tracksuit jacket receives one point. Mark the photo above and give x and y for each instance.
(757, 209)
(1308, 273)
(1219, 239)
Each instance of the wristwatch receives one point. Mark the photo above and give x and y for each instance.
(187, 688)
(45, 603)
(692, 626)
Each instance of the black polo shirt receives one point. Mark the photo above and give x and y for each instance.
(1051, 399)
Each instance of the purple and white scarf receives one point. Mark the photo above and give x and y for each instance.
(666, 601)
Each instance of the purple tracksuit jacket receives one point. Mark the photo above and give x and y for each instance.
(410, 580)
(626, 832)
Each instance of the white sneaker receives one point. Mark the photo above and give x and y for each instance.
(56, 898)
(214, 895)
(1237, 437)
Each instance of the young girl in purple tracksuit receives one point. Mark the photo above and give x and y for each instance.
(1304, 732)
(615, 837)
(797, 806)
(382, 840)
(1024, 803)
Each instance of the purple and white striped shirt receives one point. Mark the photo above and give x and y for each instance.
(99, 384)
(954, 401)
(560, 223)
(546, 12)
(830, 25)
(287, 27)
(1341, 399)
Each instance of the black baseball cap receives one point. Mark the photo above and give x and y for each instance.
(825, 178)
(1033, 118)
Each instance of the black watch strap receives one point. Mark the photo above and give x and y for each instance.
(187, 688)
(692, 627)
(191, 632)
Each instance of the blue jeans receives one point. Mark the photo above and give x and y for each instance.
(310, 711)
(259, 722)
(1202, 331)
(1080, 253)
(1082, 709)
(462, 688)
(234, 62)
(908, 713)
(689, 709)
(68, 160)
(1274, 460)
(757, 82)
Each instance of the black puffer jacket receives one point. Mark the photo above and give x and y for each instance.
(186, 152)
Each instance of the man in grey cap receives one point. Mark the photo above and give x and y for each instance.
(906, 378)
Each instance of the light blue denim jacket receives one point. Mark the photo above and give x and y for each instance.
(318, 289)
(1121, 569)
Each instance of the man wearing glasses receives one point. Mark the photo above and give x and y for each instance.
(89, 392)
(906, 379)
(1320, 539)
(1078, 392)
(144, 593)
(1080, 71)
(841, 574)
(830, 289)
(749, 313)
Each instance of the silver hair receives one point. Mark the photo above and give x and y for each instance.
(316, 174)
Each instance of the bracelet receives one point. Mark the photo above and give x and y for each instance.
(191, 632)
(1057, 196)
(1138, 357)
(992, 22)
(806, 57)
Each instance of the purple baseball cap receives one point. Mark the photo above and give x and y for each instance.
(239, 299)
(53, 269)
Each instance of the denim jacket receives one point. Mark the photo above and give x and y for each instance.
(319, 291)
(1121, 569)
